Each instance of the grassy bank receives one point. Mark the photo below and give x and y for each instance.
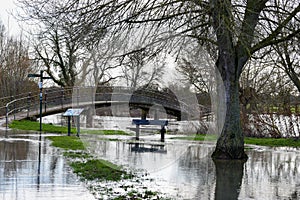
(35, 126)
(49, 128)
(273, 142)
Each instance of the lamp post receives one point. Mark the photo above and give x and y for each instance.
(41, 91)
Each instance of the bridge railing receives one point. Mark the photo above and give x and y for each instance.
(28, 104)
(13, 104)
(54, 97)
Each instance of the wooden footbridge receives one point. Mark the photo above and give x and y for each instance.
(57, 100)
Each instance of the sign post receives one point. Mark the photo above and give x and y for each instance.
(40, 84)
(73, 113)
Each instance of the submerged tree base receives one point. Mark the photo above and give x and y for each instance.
(229, 176)
(236, 154)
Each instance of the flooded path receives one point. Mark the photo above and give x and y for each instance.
(31, 169)
(185, 170)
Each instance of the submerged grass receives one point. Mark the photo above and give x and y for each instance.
(97, 169)
(77, 155)
(88, 167)
(67, 142)
(83, 163)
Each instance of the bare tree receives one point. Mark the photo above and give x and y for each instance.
(236, 29)
(287, 59)
(62, 53)
(141, 68)
(66, 54)
(103, 64)
(14, 65)
(196, 65)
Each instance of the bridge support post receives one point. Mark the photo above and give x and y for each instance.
(144, 113)
(137, 132)
(162, 133)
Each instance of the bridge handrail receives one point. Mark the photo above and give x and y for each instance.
(54, 97)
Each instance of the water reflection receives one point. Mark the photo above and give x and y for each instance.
(186, 171)
(272, 173)
(229, 179)
(31, 169)
(144, 147)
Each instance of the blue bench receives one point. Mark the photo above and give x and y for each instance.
(161, 123)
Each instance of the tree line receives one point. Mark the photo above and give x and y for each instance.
(15, 64)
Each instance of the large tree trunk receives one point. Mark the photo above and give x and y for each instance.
(232, 56)
(230, 144)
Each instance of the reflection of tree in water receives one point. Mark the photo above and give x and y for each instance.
(214, 180)
(229, 175)
(266, 175)
(27, 160)
(272, 174)
(12, 151)
(197, 168)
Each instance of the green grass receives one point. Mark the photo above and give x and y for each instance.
(272, 142)
(49, 128)
(80, 154)
(99, 170)
(67, 142)
(35, 126)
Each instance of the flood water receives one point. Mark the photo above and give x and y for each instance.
(31, 169)
(186, 171)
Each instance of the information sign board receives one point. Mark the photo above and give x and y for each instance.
(73, 112)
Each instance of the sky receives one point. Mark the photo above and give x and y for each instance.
(11, 24)
(8, 7)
